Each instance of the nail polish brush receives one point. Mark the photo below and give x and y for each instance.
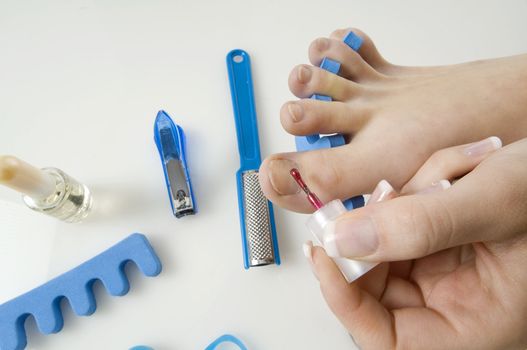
(325, 215)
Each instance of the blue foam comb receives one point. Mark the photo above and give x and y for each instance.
(75, 285)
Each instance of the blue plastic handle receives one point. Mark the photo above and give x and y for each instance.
(241, 83)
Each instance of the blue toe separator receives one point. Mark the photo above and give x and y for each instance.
(75, 285)
(315, 142)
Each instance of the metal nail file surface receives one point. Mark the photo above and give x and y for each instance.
(260, 245)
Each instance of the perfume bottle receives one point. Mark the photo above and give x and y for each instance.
(48, 190)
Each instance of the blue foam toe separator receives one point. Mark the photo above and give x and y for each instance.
(76, 286)
(314, 142)
(354, 202)
(353, 41)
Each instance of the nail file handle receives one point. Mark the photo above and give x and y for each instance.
(240, 79)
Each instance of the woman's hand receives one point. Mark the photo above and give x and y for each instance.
(458, 279)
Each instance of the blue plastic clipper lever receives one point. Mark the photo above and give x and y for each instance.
(260, 246)
(170, 141)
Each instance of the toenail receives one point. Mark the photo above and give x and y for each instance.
(279, 176)
(295, 111)
(322, 44)
(303, 74)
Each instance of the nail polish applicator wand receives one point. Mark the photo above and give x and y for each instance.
(49, 190)
(323, 216)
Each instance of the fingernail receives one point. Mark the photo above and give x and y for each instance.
(350, 238)
(483, 147)
(296, 112)
(308, 252)
(279, 176)
(322, 44)
(303, 74)
(381, 192)
(440, 185)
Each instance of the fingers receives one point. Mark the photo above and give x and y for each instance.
(309, 116)
(367, 320)
(417, 225)
(450, 163)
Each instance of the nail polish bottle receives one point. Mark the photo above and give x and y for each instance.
(317, 222)
(49, 190)
(320, 219)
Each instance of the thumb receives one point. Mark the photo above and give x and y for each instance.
(418, 225)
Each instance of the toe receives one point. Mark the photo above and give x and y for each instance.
(306, 80)
(329, 173)
(309, 116)
(353, 65)
(367, 51)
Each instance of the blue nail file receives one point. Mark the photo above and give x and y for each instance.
(75, 285)
(315, 142)
(259, 242)
(170, 141)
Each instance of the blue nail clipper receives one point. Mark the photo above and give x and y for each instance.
(260, 246)
(316, 142)
(170, 142)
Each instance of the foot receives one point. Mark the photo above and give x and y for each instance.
(394, 118)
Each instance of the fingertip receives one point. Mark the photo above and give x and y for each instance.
(496, 142)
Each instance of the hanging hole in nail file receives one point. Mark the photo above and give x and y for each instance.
(238, 59)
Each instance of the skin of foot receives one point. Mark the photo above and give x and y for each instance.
(393, 117)
(457, 278)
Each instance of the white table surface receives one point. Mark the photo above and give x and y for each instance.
(80, 84)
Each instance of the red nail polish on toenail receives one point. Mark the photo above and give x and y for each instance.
(295, 111)
(303, 74)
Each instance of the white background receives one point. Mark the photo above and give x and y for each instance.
(80, 84)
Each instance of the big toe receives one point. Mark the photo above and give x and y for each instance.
(327, 172)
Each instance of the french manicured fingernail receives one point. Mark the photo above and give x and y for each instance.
(483, 147)
(279, 176)
(351, 238)
(440, 185)
(308, 252)
(296, 112)
(382, 191)
(322, 44)
(303, 74)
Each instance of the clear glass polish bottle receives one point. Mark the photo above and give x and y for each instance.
(317, 222)
(320, 219)
(49, 190)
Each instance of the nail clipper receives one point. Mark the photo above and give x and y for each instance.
(170, 142)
